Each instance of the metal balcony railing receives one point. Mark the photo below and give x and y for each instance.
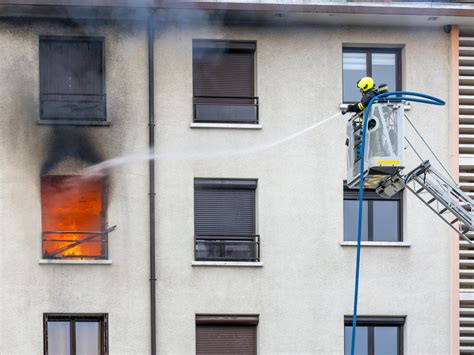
(227, 248)
(226, 109)
(73, 107)
(88, 237)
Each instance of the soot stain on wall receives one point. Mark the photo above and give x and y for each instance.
(69, 143)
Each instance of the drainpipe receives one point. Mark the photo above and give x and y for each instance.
(151, 166)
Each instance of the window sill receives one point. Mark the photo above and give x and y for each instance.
(75, 262)
(377, 244)
(73, 123)
(344, 106)
(228, 263)
(226, 125)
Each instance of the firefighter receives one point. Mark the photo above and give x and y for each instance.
(368, 91)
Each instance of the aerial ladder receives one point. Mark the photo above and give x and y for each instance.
(384, 167)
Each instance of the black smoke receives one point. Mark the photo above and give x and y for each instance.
(69, 143)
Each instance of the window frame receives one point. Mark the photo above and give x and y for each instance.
(370, 196)
(227, 44)
(101, 318)
(379, 321)
(247, 184)
(65, 121)
(368, 60)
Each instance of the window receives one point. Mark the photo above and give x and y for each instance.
(224, 220)
(66, 334)
(383, 64)
(72, 85)
(73, 210)
(223, 81)
(382, 218)
(226, 334)
(375, 335)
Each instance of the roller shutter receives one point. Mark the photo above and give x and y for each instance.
(226, 334)
(224, 207)
(223, 68)
(72, 81)
(226, 339)
(71, 66)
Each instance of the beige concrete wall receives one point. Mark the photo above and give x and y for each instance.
(305, 286)
(29, 289)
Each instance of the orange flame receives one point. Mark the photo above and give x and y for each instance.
(72, 203)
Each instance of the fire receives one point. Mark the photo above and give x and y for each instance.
(73, 203)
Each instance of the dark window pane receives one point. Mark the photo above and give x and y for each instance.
(242, 111)
(361, 347)
(354, 67)
(384, 69)
(351, 218)
(87, 338)
(228, 249)
(386, 220)
(386, 340)
(59, 338)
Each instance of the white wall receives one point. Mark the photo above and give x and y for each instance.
(306, 284)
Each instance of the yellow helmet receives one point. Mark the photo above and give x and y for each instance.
(365, 84)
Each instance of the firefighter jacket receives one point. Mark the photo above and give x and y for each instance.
(362, 104)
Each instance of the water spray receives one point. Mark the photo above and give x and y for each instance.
(136, 157)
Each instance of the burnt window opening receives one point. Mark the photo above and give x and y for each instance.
(73, 210)
(72, 80)
(73, 334)
(224, 82)
(225, 220)
(226, 334)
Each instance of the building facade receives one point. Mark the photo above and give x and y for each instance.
(239, 236)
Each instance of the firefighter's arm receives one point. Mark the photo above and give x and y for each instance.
(357, 107)
(364, 102)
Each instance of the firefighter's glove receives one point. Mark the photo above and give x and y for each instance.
(351, 108)
(344, 111)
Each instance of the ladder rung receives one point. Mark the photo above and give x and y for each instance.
(454, 221)
(418, 191)
(467, 238)
(442, 211)
(433, 199)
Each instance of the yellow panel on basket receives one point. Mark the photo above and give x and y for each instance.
(372, 181)
(388, 162)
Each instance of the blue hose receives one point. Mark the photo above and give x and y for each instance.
(388, 96)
